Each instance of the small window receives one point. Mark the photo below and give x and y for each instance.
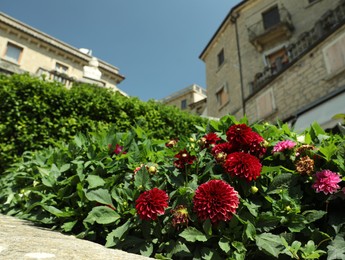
(184, 104)
(13, 52)
(220, 57)
(222, 95)
(271, 17)
(334, 55)
(265, 104)
(61, 68)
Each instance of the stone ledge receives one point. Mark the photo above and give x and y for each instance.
(19, 239)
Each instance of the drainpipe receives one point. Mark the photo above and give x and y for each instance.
(233, 19)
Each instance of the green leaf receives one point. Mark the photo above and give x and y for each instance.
(336, 249)
(191, 234)
(224, 244)
(102, 215)
(313, 215)
(95, 181)
(250, 231)
(270, 244)
(142, 179)
(207, 227)
(68, 226)
(116, 235)
(146, 249)
(328, 151)
(100, 195)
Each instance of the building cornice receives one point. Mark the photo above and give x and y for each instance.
(51, 41)
(220, 28)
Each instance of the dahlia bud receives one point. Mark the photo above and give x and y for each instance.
(288, 208)
(254, 189)
(202, 141)
(152, 170)
(192, 140)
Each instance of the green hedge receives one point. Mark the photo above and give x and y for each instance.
(35, 114)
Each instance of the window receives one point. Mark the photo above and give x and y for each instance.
(271, 17)
(312, 1)
(61, 68)
(184, 104)
(265, 104)
(334, 55)
(13, 52)
(277, 60)
(222, 95)
(220, 57)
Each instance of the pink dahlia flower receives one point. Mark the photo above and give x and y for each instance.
(283, 145)
(243, 165)
(215, 200)
(327, 182)
(151, 203)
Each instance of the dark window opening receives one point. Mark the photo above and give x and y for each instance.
(184, 104)
(220, 57)
(271, 17)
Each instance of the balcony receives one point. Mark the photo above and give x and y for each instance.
(276, 25)
(329, 22)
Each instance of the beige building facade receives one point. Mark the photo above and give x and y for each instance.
(278, 59)
(26, 49)
(192, 99)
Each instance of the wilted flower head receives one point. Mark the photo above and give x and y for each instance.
(180, 216)
(283, 145)
(327, 182)
(215, 200)
(151, 203)
(183, 158)
(171, 143)
(243, 165)
(305, 165)
(301, 151)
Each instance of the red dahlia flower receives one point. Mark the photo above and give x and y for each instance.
(221, 151)
(183, 158)
(243, 165)
(244, 139)
(215, 200)
(210, 139)
(151, 203)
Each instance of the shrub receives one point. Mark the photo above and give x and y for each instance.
(229, 191)
(35, 114)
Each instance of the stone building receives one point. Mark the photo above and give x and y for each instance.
(192, 99)
(26, 49)
(278, 59)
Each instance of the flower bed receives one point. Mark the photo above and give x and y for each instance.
(230, 191)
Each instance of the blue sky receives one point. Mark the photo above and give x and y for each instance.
(155, 43)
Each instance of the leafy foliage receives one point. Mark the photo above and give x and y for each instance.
(84, 188)
(35, 114)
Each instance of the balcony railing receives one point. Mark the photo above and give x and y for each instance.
(259, 34)
(54, 75)
(326, 25)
